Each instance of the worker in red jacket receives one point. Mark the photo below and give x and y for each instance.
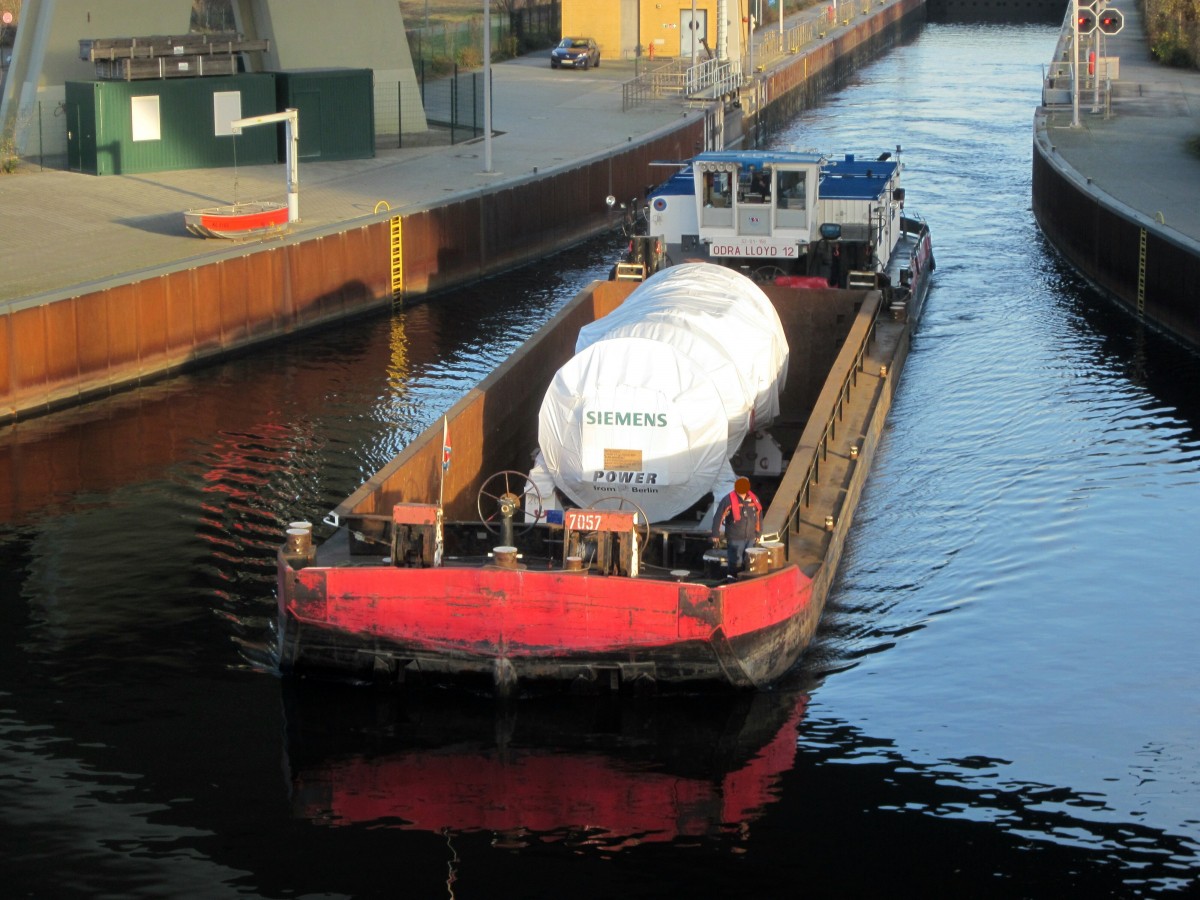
(745, 527)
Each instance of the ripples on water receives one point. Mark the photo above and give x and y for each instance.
(1002, 700)
(1024, 553)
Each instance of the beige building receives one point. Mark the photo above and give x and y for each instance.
(664, 28)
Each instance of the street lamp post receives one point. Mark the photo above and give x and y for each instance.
(487, 86)
(1075, 64)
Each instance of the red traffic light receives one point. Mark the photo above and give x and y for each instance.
(1111, 21)
(1085, 22)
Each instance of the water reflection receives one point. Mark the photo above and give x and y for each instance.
(600, 773)
(767, 778)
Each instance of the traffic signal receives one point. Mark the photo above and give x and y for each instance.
(1111, 21)
(1085, 22)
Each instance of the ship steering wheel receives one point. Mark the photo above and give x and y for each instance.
(766, 274)
(508, 491)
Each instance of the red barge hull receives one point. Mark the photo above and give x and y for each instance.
(405, 589)
(502, 626)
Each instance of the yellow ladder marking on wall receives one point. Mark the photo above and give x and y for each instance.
(395, 251)
(1141, 292)
(397, 248)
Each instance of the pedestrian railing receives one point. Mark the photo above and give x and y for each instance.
(1097, 71)
(667, 78)
(713, 78)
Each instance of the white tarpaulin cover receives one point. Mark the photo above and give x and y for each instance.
(663, 390)
(724, 322)
(633, 418)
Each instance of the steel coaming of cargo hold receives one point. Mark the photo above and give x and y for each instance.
(481, 555)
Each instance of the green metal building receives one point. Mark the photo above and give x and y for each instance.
(337, 111)
(156, 125)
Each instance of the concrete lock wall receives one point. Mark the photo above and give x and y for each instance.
(1104, 242)
(58, 353)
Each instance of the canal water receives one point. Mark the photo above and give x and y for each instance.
(1004, 698)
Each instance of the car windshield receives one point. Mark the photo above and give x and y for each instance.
(578, 44)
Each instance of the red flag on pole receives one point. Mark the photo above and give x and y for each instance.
(445, 444)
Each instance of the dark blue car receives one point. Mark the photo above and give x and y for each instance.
(578, 52)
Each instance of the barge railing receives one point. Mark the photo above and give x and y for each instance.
(829, 433)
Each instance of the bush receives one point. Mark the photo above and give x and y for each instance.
(8, 155)
(509, 48)
(469, 58)
(1173, 27)
(1171, 54)
(439, 66)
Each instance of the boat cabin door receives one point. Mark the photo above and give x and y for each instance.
(754, 201)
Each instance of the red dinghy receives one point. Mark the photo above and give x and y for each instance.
(240, 220)
(257, 217)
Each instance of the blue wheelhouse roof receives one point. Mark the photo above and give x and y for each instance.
(681, 183)
(760, 158)
(856, 179)
(848, 178)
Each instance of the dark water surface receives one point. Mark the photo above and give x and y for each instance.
(1004, 699)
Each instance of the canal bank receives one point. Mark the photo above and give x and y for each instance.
(103, 287)
(1116, 193)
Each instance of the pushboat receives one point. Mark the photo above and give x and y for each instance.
(548, 533)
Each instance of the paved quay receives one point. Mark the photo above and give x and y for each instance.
(66, 233)
(1138, 155)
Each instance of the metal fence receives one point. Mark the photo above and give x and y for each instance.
(435, 110)
(1097, 70)
(455, 103)
(711, 78)
(45, 129)
(537, 24)
(530, 26)
(452, 41)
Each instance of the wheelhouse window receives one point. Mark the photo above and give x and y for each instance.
(717, 203)
(791, 199)
(754, 185)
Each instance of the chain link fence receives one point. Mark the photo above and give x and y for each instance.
(452, 106)
(461, 43)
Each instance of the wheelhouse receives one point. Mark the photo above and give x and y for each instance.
(782, 212)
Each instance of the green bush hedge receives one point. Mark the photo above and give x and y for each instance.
(1173, 28)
